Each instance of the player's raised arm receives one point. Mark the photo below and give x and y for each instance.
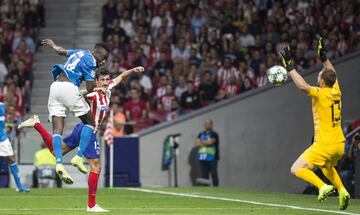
(126, 73)
(49, 43)
(288, 63)
(321, 51)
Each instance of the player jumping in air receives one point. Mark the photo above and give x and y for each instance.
(329, 141)
(65, 97)
(7, 151)
(99, 103)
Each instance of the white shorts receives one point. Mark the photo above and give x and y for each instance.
(6, 148)
(64, 98)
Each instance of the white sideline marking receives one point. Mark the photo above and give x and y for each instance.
(240, 200)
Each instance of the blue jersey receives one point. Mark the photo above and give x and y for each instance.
(79, 66)
(3, 135)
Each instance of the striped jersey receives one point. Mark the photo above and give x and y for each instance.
(99, 104)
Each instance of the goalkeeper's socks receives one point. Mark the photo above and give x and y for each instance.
(310, 176)
(45, 135)
(15, 172)
(57, 145)
(93, 184)
(85, 137)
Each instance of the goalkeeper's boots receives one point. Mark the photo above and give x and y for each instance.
(63, 174)
(344, 198)
(325, 191)
(78, 162)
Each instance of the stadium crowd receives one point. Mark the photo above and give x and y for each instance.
(198, 52)
(19, 27)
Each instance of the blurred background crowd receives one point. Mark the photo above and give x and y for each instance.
(198, 52)
(20, 22)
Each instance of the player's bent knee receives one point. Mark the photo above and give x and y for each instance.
(294, 169)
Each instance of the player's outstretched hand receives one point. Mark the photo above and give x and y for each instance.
(321, 50)
(286, 60)
(139, 69)
(47, 43)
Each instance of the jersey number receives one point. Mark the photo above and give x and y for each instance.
(71, 64)
(335, 112)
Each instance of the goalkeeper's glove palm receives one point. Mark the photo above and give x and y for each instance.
(286, 60)
(321, 50)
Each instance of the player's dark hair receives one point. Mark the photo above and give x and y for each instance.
(102, 71)
(102, 46)
(329, 77)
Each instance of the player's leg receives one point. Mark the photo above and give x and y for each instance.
(34, 122)
(85, 137)
(81, 109)
(7, 151)
(92, 153)
(58, 126)
(333, 176)
(15, 172)
(57, 113)
(302, 170)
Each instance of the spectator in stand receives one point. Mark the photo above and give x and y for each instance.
(261, 80)
(162, 65)
(180, 53)
(226, 71)
(3, 72)
(181, 87)
(176, 111)
(170, 37)
(22, 36)
(135, 108)
(190, 99)
(166, 100)
(145, 82)
(208, 89)
(119, 121)
(13, 97)
(25, 55)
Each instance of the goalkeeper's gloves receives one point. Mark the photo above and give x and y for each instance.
(321, 50)
(286, 60)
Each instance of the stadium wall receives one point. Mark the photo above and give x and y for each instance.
(261, 134)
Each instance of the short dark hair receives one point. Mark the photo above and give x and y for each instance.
(102, 46)
(329, 77)
(102, 71)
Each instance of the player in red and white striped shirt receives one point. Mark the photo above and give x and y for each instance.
(99, 102)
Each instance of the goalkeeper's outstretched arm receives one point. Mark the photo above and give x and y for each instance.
(290, 67)
(322, 55)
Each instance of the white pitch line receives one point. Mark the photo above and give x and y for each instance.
(240, 200)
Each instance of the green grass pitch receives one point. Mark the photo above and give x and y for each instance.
(202, 201)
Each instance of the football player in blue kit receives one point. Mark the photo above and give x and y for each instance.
(6, 151)
(65, 97)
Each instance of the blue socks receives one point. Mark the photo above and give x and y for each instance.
(15, 172)
(85, 138)
(57, 145)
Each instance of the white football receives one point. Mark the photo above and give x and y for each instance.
(277, 75)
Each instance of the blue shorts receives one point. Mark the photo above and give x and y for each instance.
(73, 141)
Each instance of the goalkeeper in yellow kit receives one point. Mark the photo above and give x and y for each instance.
(329, 140)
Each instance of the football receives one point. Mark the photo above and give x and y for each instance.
(277, 75)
